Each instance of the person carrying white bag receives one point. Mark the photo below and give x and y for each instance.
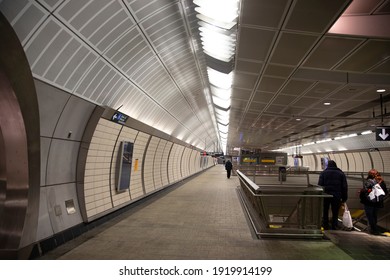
(372, 196)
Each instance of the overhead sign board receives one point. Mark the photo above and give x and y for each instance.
(250, 160)
(264, 160)
(119, 117)
(382, 133)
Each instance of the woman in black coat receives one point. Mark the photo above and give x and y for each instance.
(371, 207)
(334, 182)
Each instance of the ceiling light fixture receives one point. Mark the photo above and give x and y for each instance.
(218, 32)
(346, 136)
(381, 90)
(309, 144)
(323, 141)
(327, 103)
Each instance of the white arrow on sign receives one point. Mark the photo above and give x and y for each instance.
(383, 135)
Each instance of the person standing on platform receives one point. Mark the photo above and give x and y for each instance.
(228, 167)
(372, 198)
(334, 182)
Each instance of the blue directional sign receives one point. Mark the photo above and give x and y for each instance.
(119, 117)
(382, 133)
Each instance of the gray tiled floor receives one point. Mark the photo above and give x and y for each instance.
(202, 218)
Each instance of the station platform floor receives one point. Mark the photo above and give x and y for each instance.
(202, 218)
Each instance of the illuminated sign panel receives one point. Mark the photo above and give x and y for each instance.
(268, 160)
(250, 160)
(119, 118)
(382, 133)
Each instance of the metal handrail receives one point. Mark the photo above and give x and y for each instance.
(307, 224)
(273, 171)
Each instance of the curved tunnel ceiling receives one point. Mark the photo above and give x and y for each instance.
(146, 57)
(141, 56)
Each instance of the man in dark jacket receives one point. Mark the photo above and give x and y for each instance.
(228, 167)
(334, 182)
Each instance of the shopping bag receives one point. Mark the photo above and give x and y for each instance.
(347, 219)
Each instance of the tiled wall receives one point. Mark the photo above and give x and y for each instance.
(164, 163)
(91, 183)
(137, 188)
(149, 165)
(157, 163)
(357, 161)
(159, 166)
(97, 190)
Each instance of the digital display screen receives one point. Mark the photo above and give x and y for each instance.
(125, 158)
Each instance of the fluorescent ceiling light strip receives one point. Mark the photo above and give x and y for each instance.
(222, 126)
(217, 38)
(225, 123)
(322, 141)
(220, 79)
(223, 120)
(216, 2)
(222, 11)
(222, 108)
(218, 17)
(224, 133)
(221, 92)
(219, 57)
(345, 136)
(220, 50)
(229, 31)
(220, 32)
(221, 102)
(222, 47)
(308, 144)
(223, 117)
(224, 25)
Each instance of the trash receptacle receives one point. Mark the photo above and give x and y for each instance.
(282, 173)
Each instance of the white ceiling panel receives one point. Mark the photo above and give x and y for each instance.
(50, 4)
(92, 79)
(56, 67)
(26, 20)
(51, 51)
(146, 57)
(142, 9)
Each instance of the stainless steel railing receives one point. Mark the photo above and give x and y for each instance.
(292, 210)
